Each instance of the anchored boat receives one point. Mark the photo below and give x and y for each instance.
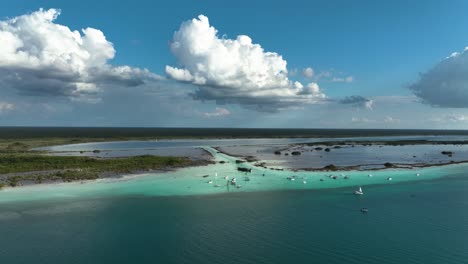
(359, 191)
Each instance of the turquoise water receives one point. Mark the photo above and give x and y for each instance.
(412, 222)
(179, 217)
(190, 181)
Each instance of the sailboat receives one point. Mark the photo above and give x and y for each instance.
(359, 191)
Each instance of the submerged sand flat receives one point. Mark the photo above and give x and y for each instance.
(191, 181)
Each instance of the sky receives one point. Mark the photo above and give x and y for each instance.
(294, 64)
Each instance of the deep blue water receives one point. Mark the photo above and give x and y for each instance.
(415, 222)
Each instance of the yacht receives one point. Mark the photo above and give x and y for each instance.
(359, 191)
(389, 179)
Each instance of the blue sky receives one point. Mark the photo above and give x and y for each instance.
(377, 64)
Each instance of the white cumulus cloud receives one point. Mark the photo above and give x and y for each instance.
(234, 70)
(41, 57)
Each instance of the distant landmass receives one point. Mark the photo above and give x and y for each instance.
(181, 132)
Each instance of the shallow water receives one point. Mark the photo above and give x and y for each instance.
(413, 222)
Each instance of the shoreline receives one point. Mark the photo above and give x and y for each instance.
(204, 163)
(110, 177)
(27, 178)
(203, 180)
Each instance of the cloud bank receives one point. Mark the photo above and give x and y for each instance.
(234, 70)
(446, 84)
(42, 58)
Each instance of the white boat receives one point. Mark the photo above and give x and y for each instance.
(370, 175)
(359, 191)
(389, 179)
(304, 182)
(210, 182)
(417, 174)
(226, 177)
(233, 181)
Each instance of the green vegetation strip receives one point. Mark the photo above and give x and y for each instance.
(77, 168)
(13, 163)
(18, 163)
